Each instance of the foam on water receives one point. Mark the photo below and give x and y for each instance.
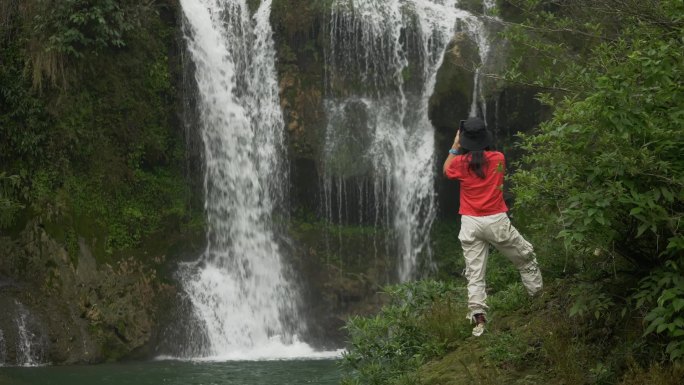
(275, 350)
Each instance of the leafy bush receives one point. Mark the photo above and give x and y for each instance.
(421, 322)
(60, 33)
(76, 27)
(664, 289)
(589, 299)
(608, 163)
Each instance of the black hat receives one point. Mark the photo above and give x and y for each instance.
(474, 135)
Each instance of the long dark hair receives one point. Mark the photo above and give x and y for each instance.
(477, 162)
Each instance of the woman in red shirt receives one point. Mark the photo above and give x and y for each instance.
(484, 220)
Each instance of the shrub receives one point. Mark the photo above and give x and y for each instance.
(662, 295)
(422, 321)
(608, 163)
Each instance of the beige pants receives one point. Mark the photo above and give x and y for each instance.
(477, 233)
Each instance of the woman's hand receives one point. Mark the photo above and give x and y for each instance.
(455, 146)
(457, 140)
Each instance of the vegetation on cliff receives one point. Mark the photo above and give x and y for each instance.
(92, 158)
(89, 119)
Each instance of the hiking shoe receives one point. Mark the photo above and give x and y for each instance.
(480, 322)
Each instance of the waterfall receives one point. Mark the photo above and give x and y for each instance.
(382, 65)
(23, 340)
(29, 345)
(476, 93)
(239, 288)
(483, 40)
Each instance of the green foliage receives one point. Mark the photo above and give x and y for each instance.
(446, 249)
(662, 295)
(506, 348)
(591, 300)
(510, 298)
(76, 27)
(421, 322)
(654, 375)
(606, 172)
(9, 204)
(103, 160)
(500, 272)
(24, 123)
(609, 164)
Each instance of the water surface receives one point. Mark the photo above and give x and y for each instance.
(320, 372)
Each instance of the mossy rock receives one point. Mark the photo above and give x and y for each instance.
(89, 311)
(341, 275)
(349, 141)
(300, 40)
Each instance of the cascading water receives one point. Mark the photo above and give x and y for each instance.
(23, 341)
(31, 345)
(483, 41)
(239, 288)
(382, 65)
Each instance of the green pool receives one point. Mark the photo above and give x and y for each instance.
(319, 372)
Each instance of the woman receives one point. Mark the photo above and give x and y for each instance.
(484, 220)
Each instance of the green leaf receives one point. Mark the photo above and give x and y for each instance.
(636, 210)
(661, 327)
(678, 304)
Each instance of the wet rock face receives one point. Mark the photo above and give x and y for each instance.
(340, 271)
(38, 266)
(453, 94)
(299, 33)
(347, 157)
(79, 312)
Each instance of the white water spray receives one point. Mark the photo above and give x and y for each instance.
(383, 60)
(239, 287)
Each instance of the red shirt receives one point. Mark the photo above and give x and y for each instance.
(480, 197)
